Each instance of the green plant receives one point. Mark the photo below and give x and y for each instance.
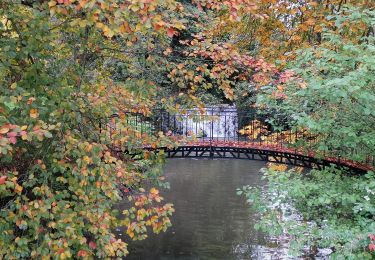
(320, 209)
(332, 94)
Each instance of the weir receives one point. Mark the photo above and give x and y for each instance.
(218, 122)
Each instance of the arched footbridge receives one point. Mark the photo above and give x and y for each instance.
(226, 133)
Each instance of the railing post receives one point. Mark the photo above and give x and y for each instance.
(212, 125)
(212, 133)
(225, 125)
(296, 140)
(238, 124)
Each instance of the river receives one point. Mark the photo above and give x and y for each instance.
(211, 221)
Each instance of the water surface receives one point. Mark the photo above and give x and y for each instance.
(211, 221)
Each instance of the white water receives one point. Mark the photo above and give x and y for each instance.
(220, 122)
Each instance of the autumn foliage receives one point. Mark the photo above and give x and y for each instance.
(276, 29)
(59, 174)
(73, 74)
(67, 67)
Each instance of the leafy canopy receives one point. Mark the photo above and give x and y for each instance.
(66, 67)
(333, 90)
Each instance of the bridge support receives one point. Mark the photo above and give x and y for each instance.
(243, 153)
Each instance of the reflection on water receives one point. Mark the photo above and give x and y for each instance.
(211, 221)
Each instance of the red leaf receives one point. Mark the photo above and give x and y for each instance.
(92, 245)
(12, 140)
(3, 179)
(171, 32)
(12, 134)
(199, 7)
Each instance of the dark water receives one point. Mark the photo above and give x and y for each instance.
(211, 221)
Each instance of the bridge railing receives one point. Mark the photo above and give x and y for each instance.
(227, 125)
(223, 126)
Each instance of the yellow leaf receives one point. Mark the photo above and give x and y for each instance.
(82, 23)
(18, 189)
(99, 25)
(51, 3)
(52, 224)
(154, 191)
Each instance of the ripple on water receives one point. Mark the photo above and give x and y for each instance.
(211, 221)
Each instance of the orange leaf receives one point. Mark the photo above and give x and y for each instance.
(34, 113)
(82, 253)
(4, 130)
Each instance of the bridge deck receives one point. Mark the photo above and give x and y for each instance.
(259, 151)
